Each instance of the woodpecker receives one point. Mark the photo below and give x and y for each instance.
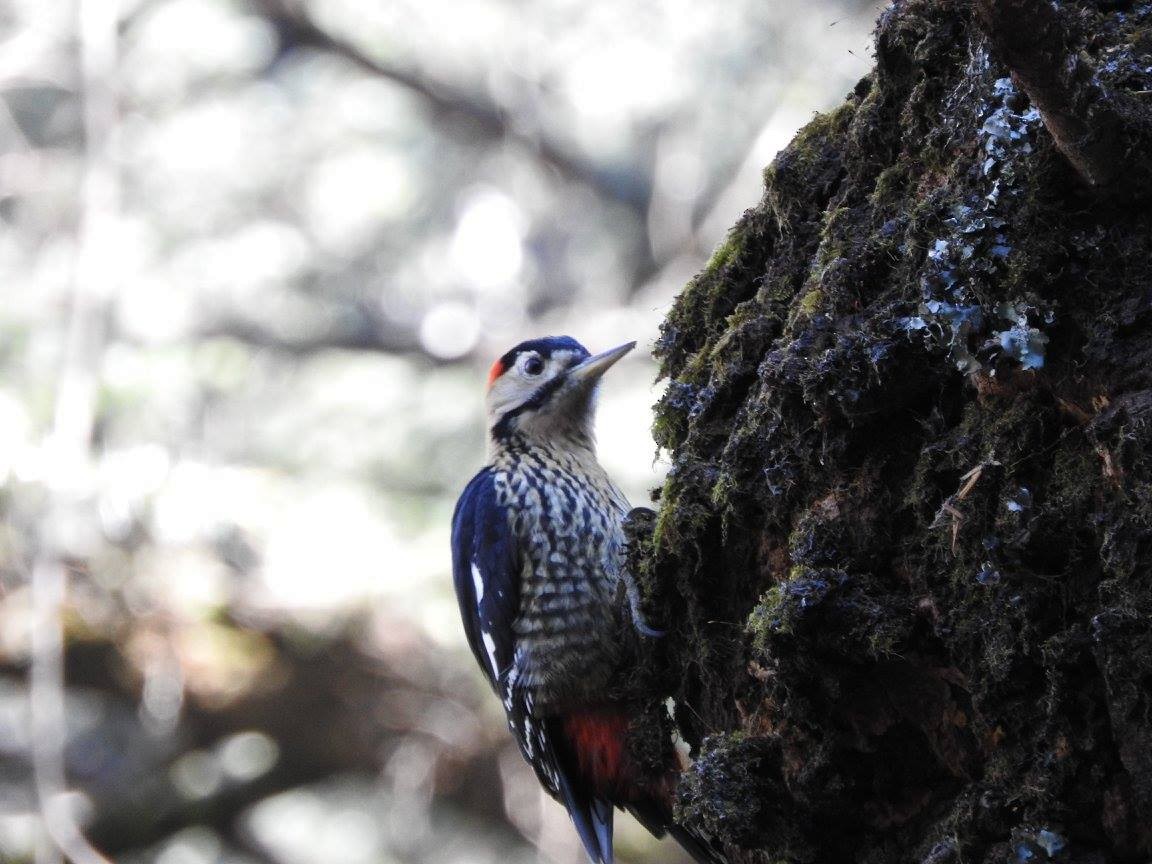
(537, 548)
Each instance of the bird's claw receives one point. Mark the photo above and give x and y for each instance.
(638, 620)
(644, 629)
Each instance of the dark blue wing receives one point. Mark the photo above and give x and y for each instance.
(485, 571)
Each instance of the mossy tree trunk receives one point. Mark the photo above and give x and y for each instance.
(906, 542)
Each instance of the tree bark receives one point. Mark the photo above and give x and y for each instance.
(905, 548)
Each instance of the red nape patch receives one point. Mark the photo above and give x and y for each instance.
(495, 372)
(599, 740)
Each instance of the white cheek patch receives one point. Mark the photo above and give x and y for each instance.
(508, 393)
(514, 387)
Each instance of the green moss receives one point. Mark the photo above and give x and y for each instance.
(890, 188)
(804, 163)
(884, 642)
(836, 229)
(680, 520)
(722, 491)
(705, 303)
(768, 618)
(723, 254)
(810, 302)
(1075, 480)
(806, 148)
(665, 534)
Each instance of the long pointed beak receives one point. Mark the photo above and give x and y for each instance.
(590, 370)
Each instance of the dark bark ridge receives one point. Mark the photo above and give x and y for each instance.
(1102, 135)
(905, 547)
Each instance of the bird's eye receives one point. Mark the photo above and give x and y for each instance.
(533, 366)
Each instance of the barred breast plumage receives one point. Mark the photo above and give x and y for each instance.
(567, 515)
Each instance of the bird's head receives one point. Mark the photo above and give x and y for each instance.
(544, 389)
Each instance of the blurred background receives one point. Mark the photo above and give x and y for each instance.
(256, 259)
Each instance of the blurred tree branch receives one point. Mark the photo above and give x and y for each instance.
(330, 709)
(66, 494)
(630, 185)
(366, 333)
(296, 29)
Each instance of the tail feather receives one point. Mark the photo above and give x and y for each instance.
(602, 820)
(591, 815)
(592, 818)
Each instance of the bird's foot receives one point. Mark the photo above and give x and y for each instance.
(638, 620)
